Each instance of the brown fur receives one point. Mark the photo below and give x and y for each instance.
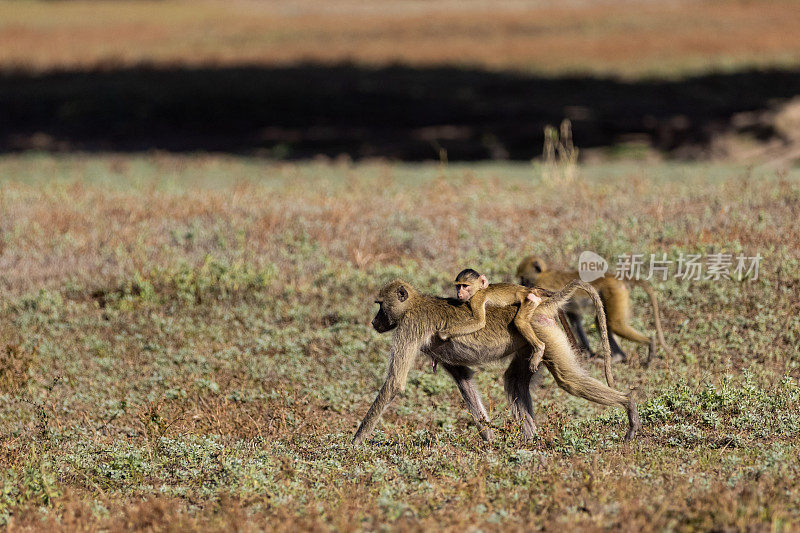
(474, 288)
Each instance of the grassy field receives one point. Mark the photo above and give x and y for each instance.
(185, 343)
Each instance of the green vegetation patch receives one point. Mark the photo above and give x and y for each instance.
(196, 353)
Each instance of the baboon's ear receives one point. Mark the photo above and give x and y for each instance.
(402, 293)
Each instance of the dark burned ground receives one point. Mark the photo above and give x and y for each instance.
(397, 112)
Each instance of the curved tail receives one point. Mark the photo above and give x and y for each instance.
(565, 294)
(656, 315)
(601, 318)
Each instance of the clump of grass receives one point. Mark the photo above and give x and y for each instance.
(30, 484)
(213, 279)
(15, 363)
(560, 156)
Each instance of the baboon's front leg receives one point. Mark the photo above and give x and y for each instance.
(385, 396)
(404, 350)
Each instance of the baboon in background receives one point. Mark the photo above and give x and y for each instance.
(532, 271)
(416, 318)
(474, 288)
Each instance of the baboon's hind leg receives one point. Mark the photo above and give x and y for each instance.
(627, 332)
(634, 424)
(517, 381)
(571, 377)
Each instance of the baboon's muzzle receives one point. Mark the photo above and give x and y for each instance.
(381, 322)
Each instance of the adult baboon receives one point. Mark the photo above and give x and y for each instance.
(532, 271)
(415, 319)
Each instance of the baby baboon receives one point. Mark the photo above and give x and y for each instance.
(474, 288)
(415, 318)
(614, 293)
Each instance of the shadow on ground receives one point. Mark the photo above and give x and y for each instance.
(396, 112)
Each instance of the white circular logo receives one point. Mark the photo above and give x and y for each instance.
(591, 266)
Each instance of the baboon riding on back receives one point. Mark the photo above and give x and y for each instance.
(415, 320)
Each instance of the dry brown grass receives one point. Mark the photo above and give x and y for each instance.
(53, 232)
(615, 36)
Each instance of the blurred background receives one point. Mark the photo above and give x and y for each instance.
(403, 79)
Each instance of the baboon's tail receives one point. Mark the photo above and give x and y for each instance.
(601, 319)
(656, 315)
(559, 298)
